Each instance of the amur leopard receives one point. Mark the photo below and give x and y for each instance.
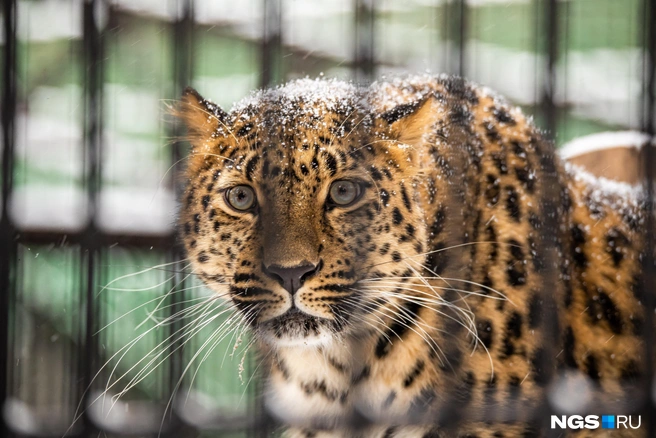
(413, 258)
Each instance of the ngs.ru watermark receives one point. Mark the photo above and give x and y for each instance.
(595, 421)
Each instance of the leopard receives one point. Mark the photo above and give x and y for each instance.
(413, 259)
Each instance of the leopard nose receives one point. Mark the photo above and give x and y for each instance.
(291, 278)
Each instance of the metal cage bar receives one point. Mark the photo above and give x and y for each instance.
(364, 37)
(271, 70)
(456, 31)
(183, 57)
(648, 44)
(7, 242)
(93, 56)
(549, 83)
(551, 332)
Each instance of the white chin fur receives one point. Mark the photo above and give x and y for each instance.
(323, 339)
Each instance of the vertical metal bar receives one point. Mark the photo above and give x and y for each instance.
(93, 77)
(363, 71)
(649, 73)
(93, 56)
(445, 34)
(364, 56)
(462, 38)
(549, 84)
(537, 47)
(272, 72)
(7, 241)
(183, 60)
(455, 36)
(271, 48)
(552, 200)
(648, 410)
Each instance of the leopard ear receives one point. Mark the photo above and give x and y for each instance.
(201, 117)
(410, 122)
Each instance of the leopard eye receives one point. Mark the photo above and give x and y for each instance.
(241, 198)
(344, 192)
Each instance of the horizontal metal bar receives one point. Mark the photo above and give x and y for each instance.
(164, 241)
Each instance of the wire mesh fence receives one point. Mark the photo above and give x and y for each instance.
(92, 276)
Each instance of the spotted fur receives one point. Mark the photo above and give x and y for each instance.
(471, 272)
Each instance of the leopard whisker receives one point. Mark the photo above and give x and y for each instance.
(419, 324)
(332, 138)
(357, 303)
(422, 302)
(172, 338)
(462, 323)
(145, 304)
(435, 251)
(241, 368)
(502, 295)
(166, 295)
(469, 315)
(394, 318)
(213, 340)
(153, 268)
(120, 354)
(491, 289)
(469, 326)
(351, 131)
(143, 271)
(390, 140)
(391, 284)
(147, 369)
(181, 314)
(176, 112)
(241, 326)
(176, 336)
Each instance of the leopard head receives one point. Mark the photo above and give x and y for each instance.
(296, 197)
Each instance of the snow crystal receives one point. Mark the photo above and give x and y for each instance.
(389, 93)
(333, 94)
(622, 197)
(604, 185)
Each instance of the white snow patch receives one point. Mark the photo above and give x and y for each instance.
(601, 141)
(391, 92)
(331, 93)
(601, 188)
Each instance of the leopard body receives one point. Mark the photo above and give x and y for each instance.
(473, 272)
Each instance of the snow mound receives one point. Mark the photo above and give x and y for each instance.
(332, 94)
(601, 141)
(603, 187)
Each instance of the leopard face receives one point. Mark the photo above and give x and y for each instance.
(292, 202)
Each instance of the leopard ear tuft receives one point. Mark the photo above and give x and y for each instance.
(201, 117)
(409, 123)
